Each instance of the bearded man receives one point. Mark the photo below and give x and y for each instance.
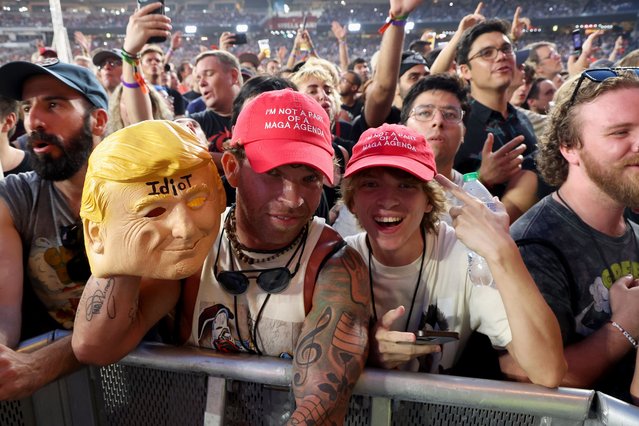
(575, 242)
(43, 266)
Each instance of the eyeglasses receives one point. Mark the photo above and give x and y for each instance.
(113, 63)
(599, 75)
(425, 113)
(490, 53)
(72, 239)
(272, 280)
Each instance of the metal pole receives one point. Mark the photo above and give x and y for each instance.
(60, 37)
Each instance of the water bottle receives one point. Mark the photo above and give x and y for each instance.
(478, 270)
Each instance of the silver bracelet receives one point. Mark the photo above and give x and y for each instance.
(627, 335)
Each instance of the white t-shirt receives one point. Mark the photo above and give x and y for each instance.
(215, 314)
(446, 300)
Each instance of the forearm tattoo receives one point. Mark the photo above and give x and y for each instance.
(330, 357)
(103, 294)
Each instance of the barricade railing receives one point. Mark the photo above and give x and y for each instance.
(167, 385)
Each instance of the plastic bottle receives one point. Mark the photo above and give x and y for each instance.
(478, 270)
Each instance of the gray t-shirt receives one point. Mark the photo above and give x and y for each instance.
(576, 287)
(39, 211)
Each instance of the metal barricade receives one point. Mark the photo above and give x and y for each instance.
(166, 385)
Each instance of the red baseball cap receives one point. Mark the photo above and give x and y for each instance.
(393, 145)
(285, 127)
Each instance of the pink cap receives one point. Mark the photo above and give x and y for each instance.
(392, 145)
(285, 127)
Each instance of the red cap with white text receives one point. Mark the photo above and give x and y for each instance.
(283, 127)
(393, 145)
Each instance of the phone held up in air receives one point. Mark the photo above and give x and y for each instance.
(158, 11)
(433, 337)
(577, 42)
(240, 38)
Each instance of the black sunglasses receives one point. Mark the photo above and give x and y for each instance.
(272, 280)
(599, 75)
(72, 239)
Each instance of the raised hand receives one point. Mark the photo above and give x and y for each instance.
(227, 40)
(143, 24)
(339, 31)
(403, 7)
(176, 40)
(84, 41)
(519, 25)
(478, 227)
(499, 166)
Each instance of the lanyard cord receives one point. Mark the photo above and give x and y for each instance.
(419, 278)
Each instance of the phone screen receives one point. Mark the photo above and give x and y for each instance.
(158, 11)
(433, 337)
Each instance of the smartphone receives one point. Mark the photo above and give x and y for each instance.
(240, 38)
(434, 337)
(158, 11)
(577, 41)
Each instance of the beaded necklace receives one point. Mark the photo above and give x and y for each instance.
(230, 225)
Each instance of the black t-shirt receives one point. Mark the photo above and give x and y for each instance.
(482, 120)
(360, 125)
(355, 109)
(24, 166)
(217, 128)
(179, 104)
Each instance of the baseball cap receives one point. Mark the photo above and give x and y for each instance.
(14, 74)
(48, 52)
(285, 127)
(521, 56)
(393, 145)
(102, 55)
(409, 60)
(251, 58)
(246, 73)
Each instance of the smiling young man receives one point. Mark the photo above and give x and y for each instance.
(418, 267)
(65, 116)
(581, 251)
(256, 292)
(498, 136)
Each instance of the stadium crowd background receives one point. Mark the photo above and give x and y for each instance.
(24, 22)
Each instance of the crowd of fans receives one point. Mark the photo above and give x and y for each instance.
(393, 125)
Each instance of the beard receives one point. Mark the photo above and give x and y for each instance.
(74, 155)
(610, 178)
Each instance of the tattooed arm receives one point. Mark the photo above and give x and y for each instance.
(115, 313)
(333, 345)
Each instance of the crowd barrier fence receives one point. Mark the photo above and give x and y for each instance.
(166, 385)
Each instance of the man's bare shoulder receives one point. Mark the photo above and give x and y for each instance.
(345, 271)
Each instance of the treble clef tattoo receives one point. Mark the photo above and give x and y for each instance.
(308, 351)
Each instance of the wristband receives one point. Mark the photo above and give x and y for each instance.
(399, 21)
(627, 335)
(130, 55)
(130, 85)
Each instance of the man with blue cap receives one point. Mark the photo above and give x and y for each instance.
(43, 267)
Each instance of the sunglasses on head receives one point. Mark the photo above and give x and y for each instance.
(599, 75)
(72, 239)
(271, 280)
